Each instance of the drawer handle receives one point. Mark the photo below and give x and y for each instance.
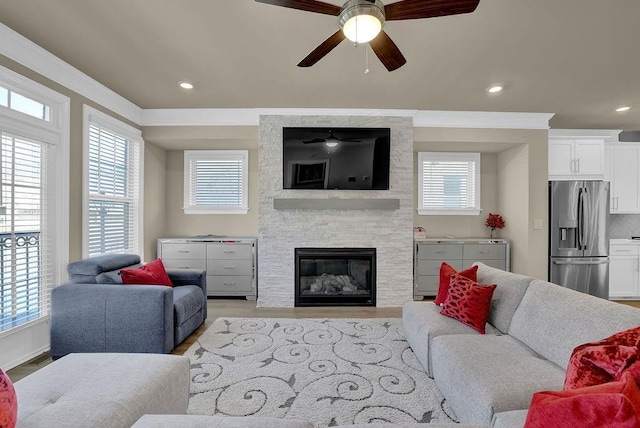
(441, 252)
(183, 267)
(483, 252)
(622, 251)
(230, 252)
(183, 251)
(229, 267)
(229, 284)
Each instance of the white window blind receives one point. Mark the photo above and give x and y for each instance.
(26, 253)
(448, 183)
(113, 185)
(216, 181)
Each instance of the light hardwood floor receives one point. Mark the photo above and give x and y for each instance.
(241, 308)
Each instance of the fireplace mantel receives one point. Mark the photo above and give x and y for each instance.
(283, 204)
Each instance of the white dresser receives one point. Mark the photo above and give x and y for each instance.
(230, 262)
(459, 253)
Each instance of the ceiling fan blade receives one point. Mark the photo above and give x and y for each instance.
(416, 9)
(306, 5)
(314, 141)
(387, 51)
(324, 48)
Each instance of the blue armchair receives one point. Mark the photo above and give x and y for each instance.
(95, 312)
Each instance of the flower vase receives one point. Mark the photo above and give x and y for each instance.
(493, 232)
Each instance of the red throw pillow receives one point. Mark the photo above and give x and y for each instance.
(468, 302)
(8, 402)
(604, 361)
(612, 404)
(446, 271)
(153, 273)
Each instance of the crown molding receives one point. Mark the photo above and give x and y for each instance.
(606, 134)
(481, 119)
(23, 51)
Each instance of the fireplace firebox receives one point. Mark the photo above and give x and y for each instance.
(335, 276)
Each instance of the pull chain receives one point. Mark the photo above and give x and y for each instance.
(366, 60)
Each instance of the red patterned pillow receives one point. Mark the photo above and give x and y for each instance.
(8, 402)
(605, 361)
(468, 302)
(153, 273)
(446, 271)
(613, 404)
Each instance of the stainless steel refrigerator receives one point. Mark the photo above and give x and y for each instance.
(579, 236)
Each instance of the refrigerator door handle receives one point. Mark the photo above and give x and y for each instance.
(581, 262)
(580, 219)
(585, 219)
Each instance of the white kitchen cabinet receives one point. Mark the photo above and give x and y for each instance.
(624, 271)
(231, 263)
(622, 169)
(573, 159)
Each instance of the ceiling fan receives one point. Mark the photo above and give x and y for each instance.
(361, 21)
(331, 140)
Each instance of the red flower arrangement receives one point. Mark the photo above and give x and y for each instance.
(494, 221)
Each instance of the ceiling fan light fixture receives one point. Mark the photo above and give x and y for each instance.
(331, 143)
(362, 20)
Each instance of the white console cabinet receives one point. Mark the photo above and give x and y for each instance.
(459, 253)
(230, 263)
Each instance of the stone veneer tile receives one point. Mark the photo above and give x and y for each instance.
(280, 232)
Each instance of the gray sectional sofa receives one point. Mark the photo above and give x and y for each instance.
(95, 312)
(533, 327)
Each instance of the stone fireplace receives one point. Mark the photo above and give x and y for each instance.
(302, 218)
(335, 277)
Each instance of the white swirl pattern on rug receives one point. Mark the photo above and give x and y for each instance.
(326, 371)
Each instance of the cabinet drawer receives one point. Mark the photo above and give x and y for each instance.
(184, 264)
(432, 267)
(484, 252)
(230, 267)
(428, 284)
(229, 251)
(439, 252)
(498, 264)
(624, 250)
(221, 284)
(191, 251)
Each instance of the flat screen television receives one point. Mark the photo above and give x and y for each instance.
(336, 158)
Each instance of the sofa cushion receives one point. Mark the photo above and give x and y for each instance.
(605, 361)
(446, 272)
(422, 322)
(468, 302)
(482, 375)
(553, 320)
(506, 297)
(613, 404)
(8, 401)
(510, 419)
(103, 390)
(187, 300)
(85, 270)
(152, 273)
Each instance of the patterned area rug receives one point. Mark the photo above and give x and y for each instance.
(326, 371)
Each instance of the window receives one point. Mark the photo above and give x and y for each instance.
(216, 181)
(112, 183)
(34, 205)
(448, 183)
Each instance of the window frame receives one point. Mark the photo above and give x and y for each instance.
(191, 156)
(54, 132)
(93, 116)
(452, 157)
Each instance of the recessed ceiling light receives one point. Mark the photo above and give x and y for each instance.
(623, 108)
(185, 85)
(494, 89)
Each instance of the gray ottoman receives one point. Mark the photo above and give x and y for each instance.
(103, 390)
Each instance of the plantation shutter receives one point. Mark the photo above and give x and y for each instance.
(113, 184)
(216, 181)
(449, 183)
(27, 253)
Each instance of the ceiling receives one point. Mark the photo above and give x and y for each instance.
(575, 58)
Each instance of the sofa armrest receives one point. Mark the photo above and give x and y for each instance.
(111, 318)
(190, 277)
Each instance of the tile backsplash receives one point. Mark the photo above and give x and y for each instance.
(624, 226)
